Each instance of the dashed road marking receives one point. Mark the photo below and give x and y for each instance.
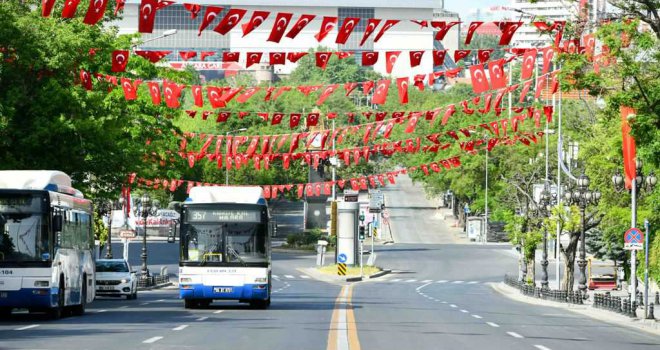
(477, 316)
(288, 276)
(514, 334)
(457, 282)
(454, 306)
(473, 282)
(218, 312)
(152, 340)
(426, 281)
(304, 276)
(411, 281)
(123, 307)
(180, 328)
(144, 304)
(396, 280)
(541, 347)
(202, 318)
(27, 327)
(442, 281)
(493, 324)
(99, 311)
(464, 311)
(160, 300)
(276, 276)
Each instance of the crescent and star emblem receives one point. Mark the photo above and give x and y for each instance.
(144, 10)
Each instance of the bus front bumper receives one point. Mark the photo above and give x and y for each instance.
(247, 292)
(28, 298)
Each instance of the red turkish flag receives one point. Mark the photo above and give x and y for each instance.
(186, 55)
(95, 11)
(312, 119)
(205, 54)
(222, 117)
(548, 54)
(471, 29)
(541, 83)
(279, 27)
(70, 7)
(322, 59)
(525, 89)
(230, 56)
(484, 55)
(119, 60)
(247, 94)
(415, 58)
(327, 26)
(214, 95)
(386, 26)
(197, 95)
(326, 93)
(372, 23)
(442, 27)
(498, 78)
(119, 6)
(172, 93)
(47, 7)
(412, 122)
(369, 58)
(349, 87)
(302, 22)
(85, 80)
(263, 115)
(258, 18)
(130, 88)
(629, 147)
(460, 54)
(508, 29)
(346, 29)
(367, 86)
(478, 77)
(194, 9)
(380, 95)
(402, 85)
(391, 57)
(439, 57)
(529, 61)
(294, 120)
(277, 118)
(147, 15)
(293, 57)
(276, 58)
(152, 56)
(230, 93)
(230, 20)
(154, 91)
(253, 58)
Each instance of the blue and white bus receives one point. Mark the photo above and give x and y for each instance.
(225, 247)
(46, 244)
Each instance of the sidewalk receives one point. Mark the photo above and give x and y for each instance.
(650, 326)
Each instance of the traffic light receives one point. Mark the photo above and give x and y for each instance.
(361, 233)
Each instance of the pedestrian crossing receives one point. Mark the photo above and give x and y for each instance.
(290, 277)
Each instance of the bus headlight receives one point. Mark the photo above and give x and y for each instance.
(41, 284)
(185, 280)
(260, 280)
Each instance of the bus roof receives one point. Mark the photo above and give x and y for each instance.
(47, 180)
(227, 194)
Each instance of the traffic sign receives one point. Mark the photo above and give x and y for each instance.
(633, 239)
(342, 258)
(341, 269)
(127, 234)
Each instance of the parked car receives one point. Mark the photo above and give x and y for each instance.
(115, 278)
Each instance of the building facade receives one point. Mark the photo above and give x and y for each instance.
(405, 36)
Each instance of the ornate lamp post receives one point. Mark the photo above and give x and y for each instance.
(546, 202)
(640, 182)
(106, 209)
(147, 208)
(582, 197)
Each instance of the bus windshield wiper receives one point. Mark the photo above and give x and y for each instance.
(233, 252)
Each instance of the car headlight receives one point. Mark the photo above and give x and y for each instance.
(124, 280)
(260, 280)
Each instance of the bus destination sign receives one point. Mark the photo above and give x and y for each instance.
(211, 215)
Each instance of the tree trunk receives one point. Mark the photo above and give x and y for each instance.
(569, 254)
(531, 271)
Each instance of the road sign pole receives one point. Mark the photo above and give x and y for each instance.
(361, 251)
(633, 253)
(646, 268)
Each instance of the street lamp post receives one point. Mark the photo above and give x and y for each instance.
(165, 34)
(545, 207)
(639, 183)
(228, 150)
(147, 208)
(106, 206)
(582, 197)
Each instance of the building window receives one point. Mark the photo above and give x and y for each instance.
(353, 42)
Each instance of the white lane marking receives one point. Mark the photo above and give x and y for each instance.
(342, 323)
(426, 281)
(202, 318)
(144, 304)
(473, 282)
(442, 281)
(288, 276)
(454, 306)
(123, 307)
(304, 276)
(541, 347)
(180, 328)
(464, 311)
(477, 316)
(493, 324)
(420, 288)
(99, 311)
(457, 282)
(410, 281)
(396, 280)
(218, 312)
(276, 276)
(160, 300)
(27, 327)
(514, 334)
(444, 302)
(152, 340)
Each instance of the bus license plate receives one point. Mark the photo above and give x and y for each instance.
(222, 290)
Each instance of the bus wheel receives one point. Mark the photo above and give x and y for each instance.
(260, 304)
(56, 312)
(190, 303)
(5, 312)
(79, 310)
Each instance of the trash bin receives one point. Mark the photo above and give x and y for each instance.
(320, 252)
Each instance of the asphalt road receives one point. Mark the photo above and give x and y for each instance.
(438, 297)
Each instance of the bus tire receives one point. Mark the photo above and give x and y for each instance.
(55, 313)
(79, 310)
(5, 312)
(189, 303)
(260, 304)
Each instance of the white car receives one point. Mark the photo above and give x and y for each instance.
(115, 278)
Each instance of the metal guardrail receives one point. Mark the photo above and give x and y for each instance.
(561, 296)
(152, 280)
(625, 306)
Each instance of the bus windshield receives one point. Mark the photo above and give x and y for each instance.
(23, 237)
(225, 242)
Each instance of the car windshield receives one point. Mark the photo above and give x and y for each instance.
(111, 266)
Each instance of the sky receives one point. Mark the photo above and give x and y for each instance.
(467, 9)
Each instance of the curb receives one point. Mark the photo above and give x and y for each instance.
(649, 326)
(159, 286)
(375, 275)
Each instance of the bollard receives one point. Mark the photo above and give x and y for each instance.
(633, 308)
(657, 298)
(650, 315)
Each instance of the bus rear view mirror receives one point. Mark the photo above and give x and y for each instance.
(57, 223)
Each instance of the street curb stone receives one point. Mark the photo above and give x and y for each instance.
(649, 326)
(159, 286)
